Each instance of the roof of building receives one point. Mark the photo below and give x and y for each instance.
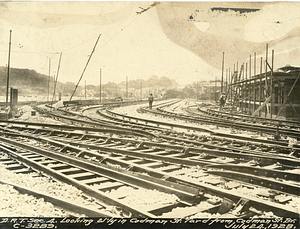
(288, 69)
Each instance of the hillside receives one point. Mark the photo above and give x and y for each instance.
(31, 83)
(28, 82)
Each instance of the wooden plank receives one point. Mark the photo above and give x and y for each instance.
(169, 168)
(58, 165)
(9, 162)
(73, 169)
(24, 170)
(83, 174)
(38, 158)
(156, 207)
(48, 162)
(152, 164)
(14, 167)
(107, 185)
(94, 180)
(261, 106)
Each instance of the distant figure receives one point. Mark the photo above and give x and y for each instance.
(150, 99)
(222, 101)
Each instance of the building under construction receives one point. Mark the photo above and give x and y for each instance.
(269, 94)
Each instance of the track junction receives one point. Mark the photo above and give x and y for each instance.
(179, 159)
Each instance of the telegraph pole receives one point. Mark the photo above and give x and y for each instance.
(49, 80)
(8, 66)
(222, 73)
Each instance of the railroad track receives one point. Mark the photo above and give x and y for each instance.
(270, 126)
(166, 129)
(212, 110)
(130, 125)
(193, 116)
(159, 155)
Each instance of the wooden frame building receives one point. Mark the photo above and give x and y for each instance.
(272, 94)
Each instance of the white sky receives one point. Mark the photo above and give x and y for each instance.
(130, 45)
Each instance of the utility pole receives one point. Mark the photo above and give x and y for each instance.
(8, 66)
(49, 80)
(266, 81)
(85, 89)
(55, 79)
(222, 73)
(216, 89)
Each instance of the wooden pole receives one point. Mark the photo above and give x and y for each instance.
(230, 84)
(87, 63)
(271, 86)
(246, 87)
(216, 89)
(254, 83)
(49, 80)
(226, 80)
(58, 67)
(8, 69)
(260, 85)
(222, 73)
(243, 92)
(250, 86)
(266, 82)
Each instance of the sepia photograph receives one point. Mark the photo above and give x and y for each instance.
(140, 114)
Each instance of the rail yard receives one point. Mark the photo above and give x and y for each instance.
(182, 116)
(180, 159)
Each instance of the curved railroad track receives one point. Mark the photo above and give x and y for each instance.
(199, 170)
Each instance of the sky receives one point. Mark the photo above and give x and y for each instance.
(161, 41)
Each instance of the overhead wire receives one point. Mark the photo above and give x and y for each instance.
(92, 38)
(90, 56)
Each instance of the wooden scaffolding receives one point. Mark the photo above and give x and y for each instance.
(269, 94)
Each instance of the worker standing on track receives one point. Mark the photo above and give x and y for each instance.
(222, 101)
(150, 99)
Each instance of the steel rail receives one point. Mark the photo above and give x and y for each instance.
(58, 202)
(215, 133)
(264, 204)
(218, 122)
(187, 194)
(174, 143)
(243, 117)
(243, 170)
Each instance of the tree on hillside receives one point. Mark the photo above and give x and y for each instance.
(188, 91)
(173, 93)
